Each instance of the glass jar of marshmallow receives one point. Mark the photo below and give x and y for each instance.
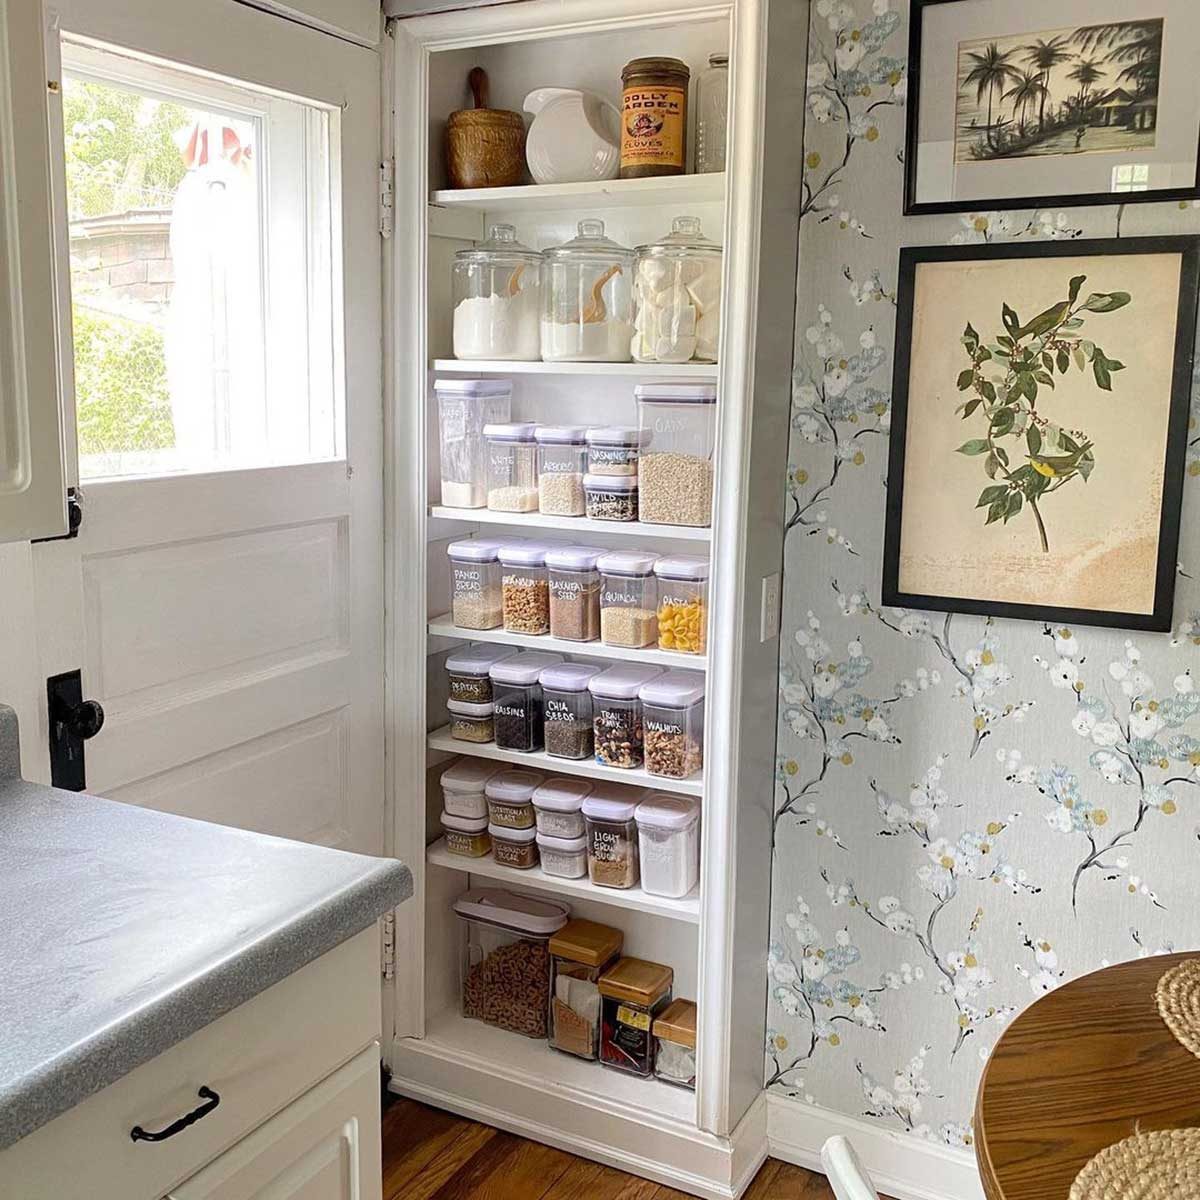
(677, 297)
(497, 299)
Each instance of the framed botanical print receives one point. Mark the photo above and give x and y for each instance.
(1023, 104)
(1040, 421)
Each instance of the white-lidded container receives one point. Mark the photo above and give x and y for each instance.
(567, 710)
(467, 836)
(669, 844)
(682, 603)
(611, 497)
(463, 785)
(676, 470)
(612, 836)
(471, 722)
(475, 596)
(617, 721)
(510, 798)
(514, 847)
(673, 720)
(574, 592)
(525, 586)
(558, 805)
(562, 457)
(465, 406)
(563, 857)
(614, 449)
(628, 608)
(518, 699)
(467, 672)
(511, 466)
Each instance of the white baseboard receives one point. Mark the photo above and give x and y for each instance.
(900, 1165)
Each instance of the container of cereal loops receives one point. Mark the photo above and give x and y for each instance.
(505, 960)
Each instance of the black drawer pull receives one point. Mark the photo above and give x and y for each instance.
(211, 1100)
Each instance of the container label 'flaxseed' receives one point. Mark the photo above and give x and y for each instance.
(652, 130)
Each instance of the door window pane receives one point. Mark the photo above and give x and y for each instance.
(202, 281)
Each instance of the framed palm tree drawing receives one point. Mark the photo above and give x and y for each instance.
(1020, 104)
(1040, 410)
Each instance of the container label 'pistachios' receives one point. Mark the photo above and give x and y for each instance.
(652, 130)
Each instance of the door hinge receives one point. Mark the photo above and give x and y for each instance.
(387, 195)
(74, 517)
(388, 966)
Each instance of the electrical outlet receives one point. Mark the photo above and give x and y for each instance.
(769, 620)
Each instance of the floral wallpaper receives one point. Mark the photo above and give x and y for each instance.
(968, 811)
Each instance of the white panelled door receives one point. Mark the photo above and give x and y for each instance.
(218, 199)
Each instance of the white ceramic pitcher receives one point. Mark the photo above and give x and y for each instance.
(575, 136)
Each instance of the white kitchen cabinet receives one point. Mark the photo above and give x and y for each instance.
(32, 474)
(324, 1146)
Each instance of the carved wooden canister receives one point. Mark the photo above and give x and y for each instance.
(485, 147)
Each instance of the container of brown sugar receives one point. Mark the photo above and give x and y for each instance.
(612, 836)
(514, 847)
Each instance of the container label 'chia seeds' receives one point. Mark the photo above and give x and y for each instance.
(558, 710)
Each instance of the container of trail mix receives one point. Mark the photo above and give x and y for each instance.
(467, 672)
(676, 468)
(617, 721)
(611, 497)
(628, 614)
(518, 699)
(567, 710)
(574, 592)
(525, 588)
(612, 836)
(558, 805)
(673, 720)
(580, 952)
(632, 994)
(471, 722)
(475, 597)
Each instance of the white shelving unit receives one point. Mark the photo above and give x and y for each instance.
(709, 1143)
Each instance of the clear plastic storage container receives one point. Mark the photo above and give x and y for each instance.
(614, 449)
(471, 722)
(682, 603)
(712, 114)
(628, 605)
(617, 714)
(580, 953)
(467, 672)
(673, 718)
(467, 836)
(511, 467)
(514, 847)
(562, 456)
(465, 406)
(588, 311)
(574, 592)
(567, 710)
(525, 587)
(675, 1044)
(475, 596)
(463, 788)
(518, 699)
(632, 994)
(612, 837)
(510, 798)
(669, 844)
(676, 468)
(563, 857)
(497, 299)
(611, 497)
(506, 958)
(558, 805)
(677, 297)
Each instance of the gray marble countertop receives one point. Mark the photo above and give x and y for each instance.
(124, 930)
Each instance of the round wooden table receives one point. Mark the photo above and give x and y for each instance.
(1084, 1066)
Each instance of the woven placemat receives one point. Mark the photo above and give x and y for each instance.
(1178, 999)
(1163, 1165)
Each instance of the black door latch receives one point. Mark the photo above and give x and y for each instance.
(72, 721)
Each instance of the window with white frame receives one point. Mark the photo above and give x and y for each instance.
(205, 270)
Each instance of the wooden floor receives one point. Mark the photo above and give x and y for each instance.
(433, 1155)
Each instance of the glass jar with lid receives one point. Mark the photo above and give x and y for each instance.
(682, 603)
(562, 457)
(712, 114)
(677, 297)
(632, 993)
(675, 1044)
(511, 467)
(587, 312)
(497, 299)
(676, 469)
(580, 952)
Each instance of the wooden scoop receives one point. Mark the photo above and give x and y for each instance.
(595, 309)
(514, 282)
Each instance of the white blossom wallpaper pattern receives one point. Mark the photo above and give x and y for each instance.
(968, 812)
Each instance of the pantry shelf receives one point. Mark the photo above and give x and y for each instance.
(440, 739)
(579, 525)
(672, 190)
(687, 909)
(444, 627)
(633, 370)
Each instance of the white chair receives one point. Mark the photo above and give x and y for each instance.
(847, 1176)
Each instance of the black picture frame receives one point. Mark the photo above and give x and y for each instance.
(1159, 620)
(914, 208)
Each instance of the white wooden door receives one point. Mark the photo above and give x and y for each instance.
(223, 598)
(324, 1146)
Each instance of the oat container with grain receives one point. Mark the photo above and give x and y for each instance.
(561, 458)
(463, 785)
(669, 844)
(567, 710)
(475, 596)
(628, 599)
(505, 959)
(467, 672)
(465, 406)
(673, 720)
(675, 1044)
(518, 699)
(471, 722)
(524, 587)
(676, 467)
(558, 807)
(617, 721)
(580, 952)
(574, 592)
(612, 844)
(511, 457)
(682, 603)
(611, 497)
(614, 449)
(632, 994)
(677, 297)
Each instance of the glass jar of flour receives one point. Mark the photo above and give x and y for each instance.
(497, 299)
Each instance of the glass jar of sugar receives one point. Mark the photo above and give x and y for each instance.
(497, 299)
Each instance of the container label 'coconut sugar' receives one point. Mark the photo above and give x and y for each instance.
(652, 126)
